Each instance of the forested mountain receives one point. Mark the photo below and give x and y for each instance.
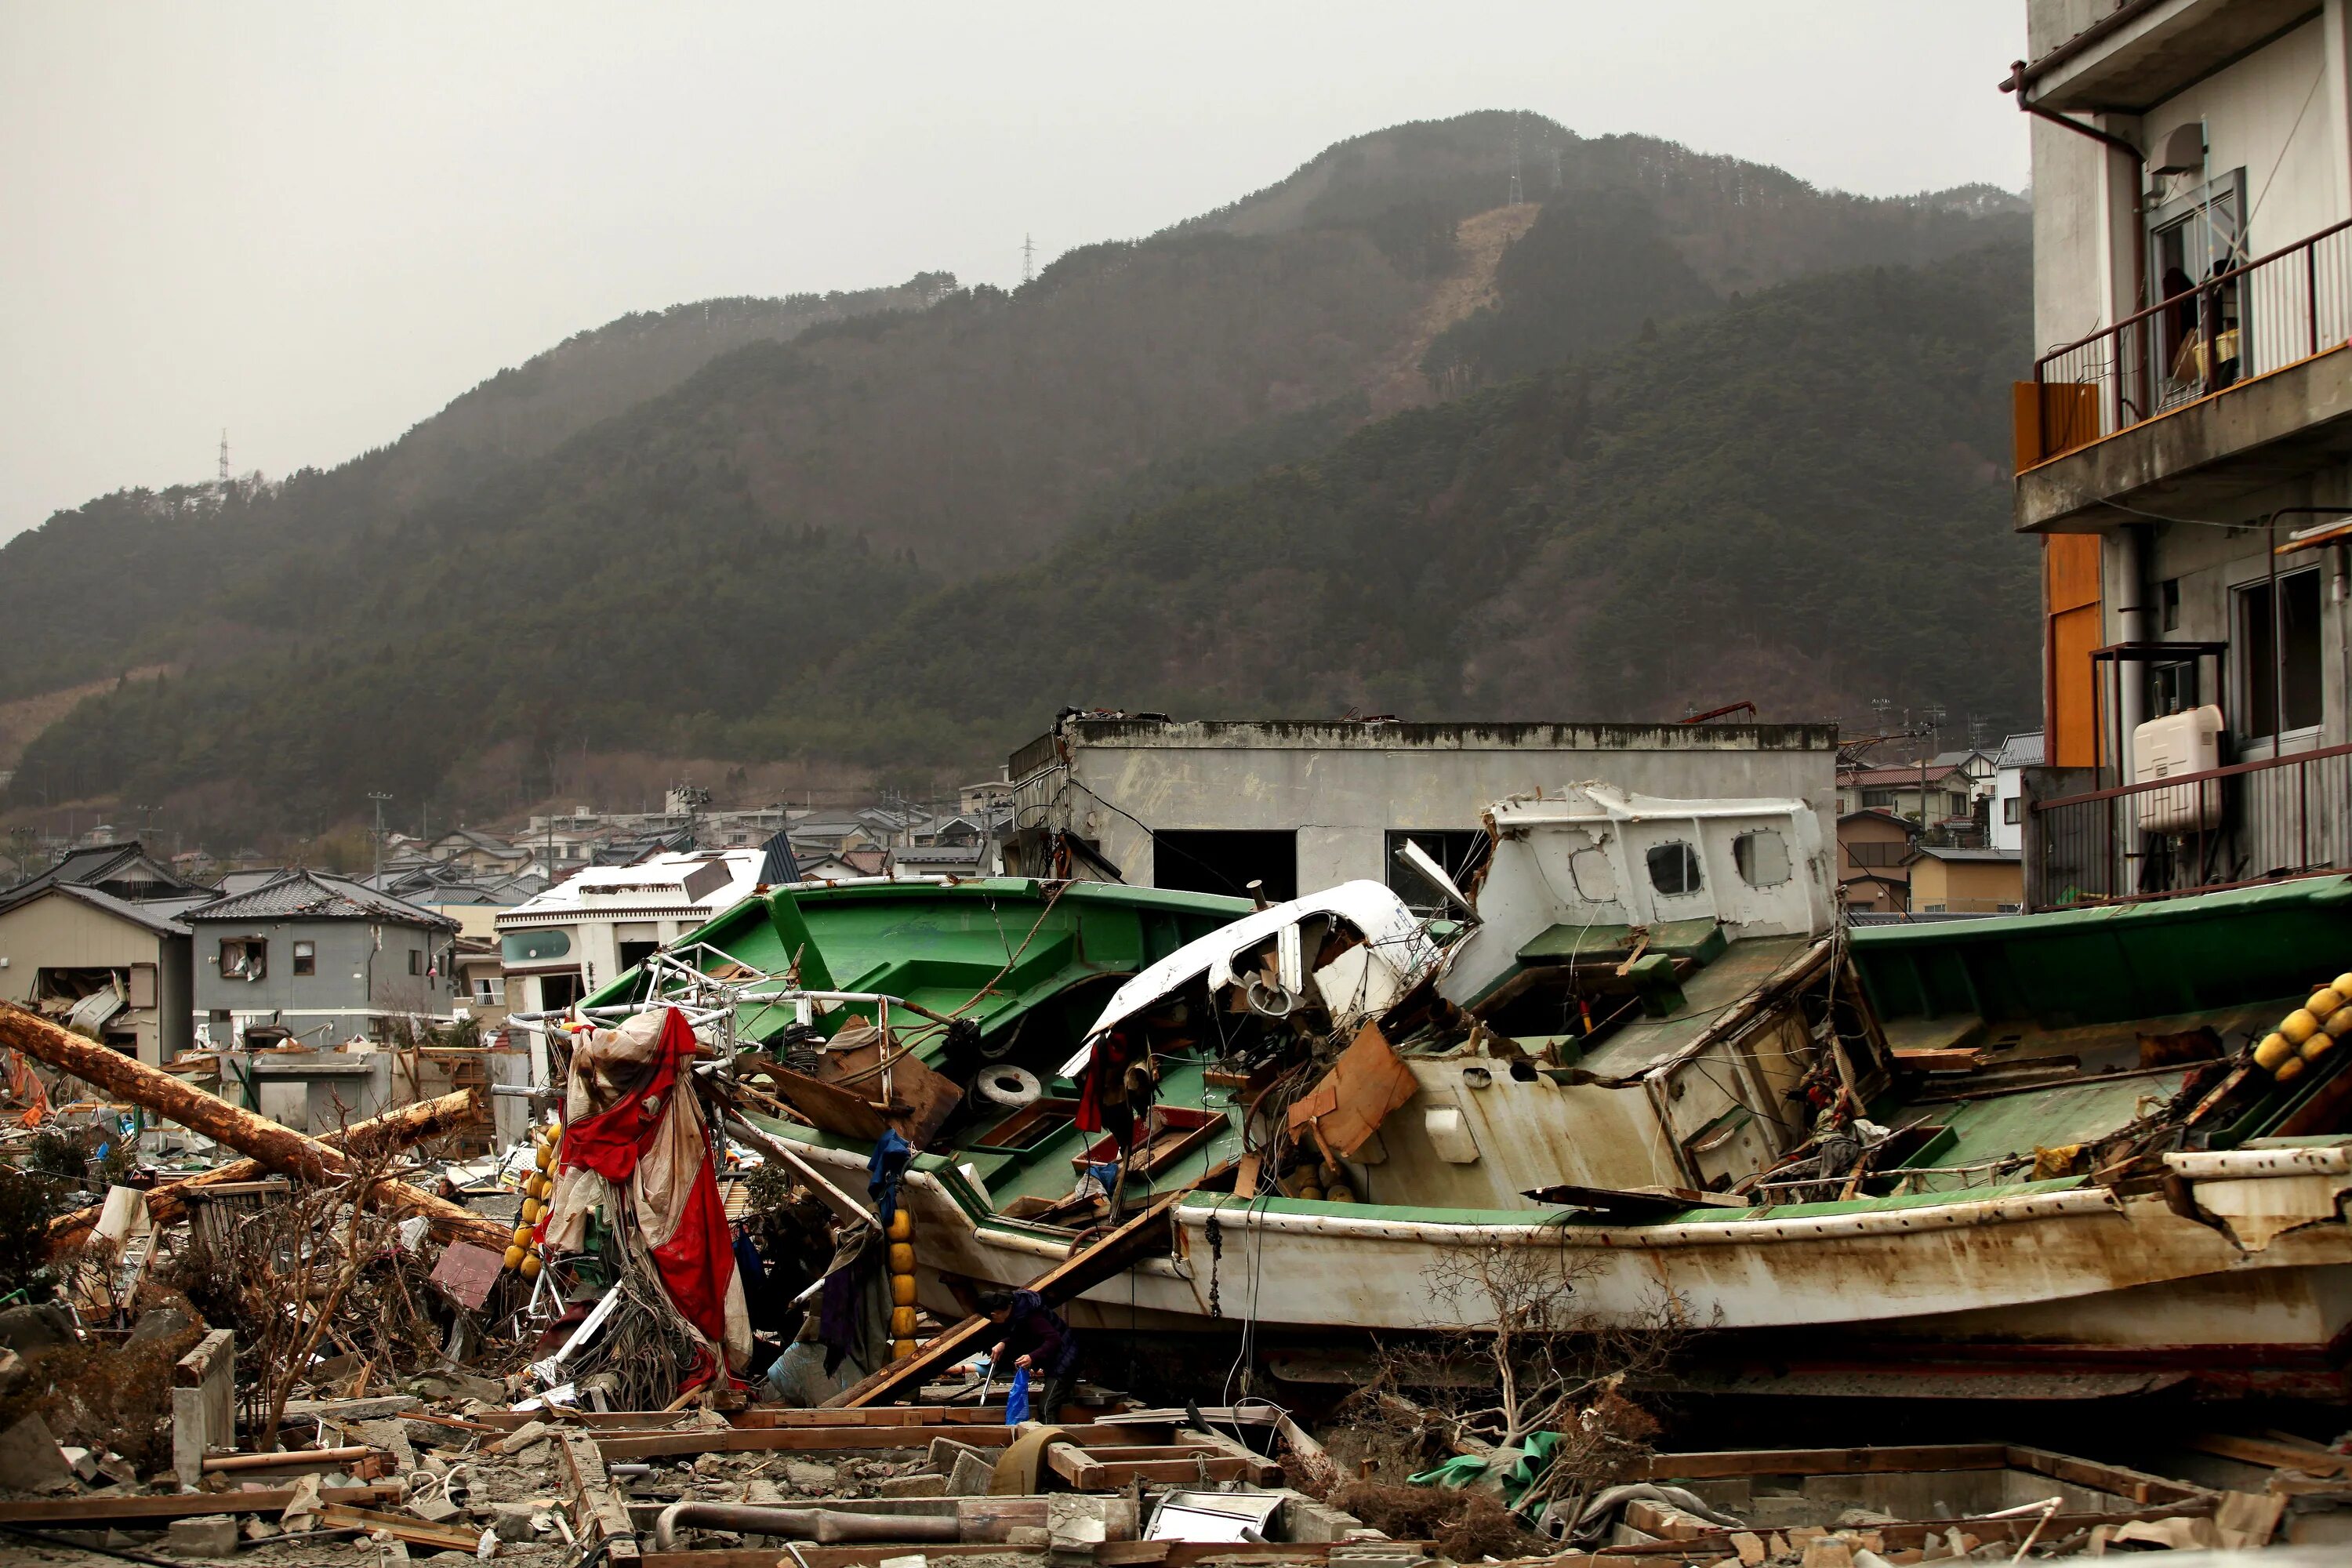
(1167, 473)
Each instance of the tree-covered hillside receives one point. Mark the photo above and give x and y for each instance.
(1153, 477)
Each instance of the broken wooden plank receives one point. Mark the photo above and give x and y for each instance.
(1905, 1535)
(400, 1527)
(78, 1511)
(1147, 1233)
(1087, 1472)
(2115, 1479)
(2272, 1455)
(597, 1513)
(1107, 1553)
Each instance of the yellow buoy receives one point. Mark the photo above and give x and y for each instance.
(2342, 984)
(902, 1289)
(2299, 1026)
(901, 1349)
(2274, 1049)
(902, 1223)
(532, 1211)
(2339, 1024)
(541, 1188)
(515, 1255)
(902, 1322)
(530, 1267)
(1342, 1193)
(2323, 1002)
(1312, 1193)
(2289, 1069)
(522, 1236)
(2318, 1046)
(544, 1158)
(902, 1258)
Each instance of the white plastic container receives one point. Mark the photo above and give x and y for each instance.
(2185, 742)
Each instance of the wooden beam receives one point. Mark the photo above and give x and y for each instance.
(1902, 1537)
(597, 1513)
(74, 1511)
(1828, 1461)
(281, 1148)
(627, 1446)
(1102, 1470)
(392, 1130)
(2113, 1480)
(400, 1527)
(1147, 1233)
(1178, 1553)
(849, 1209)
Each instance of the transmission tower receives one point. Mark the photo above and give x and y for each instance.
(224, 457)
(1518, 194)
(1028, 258)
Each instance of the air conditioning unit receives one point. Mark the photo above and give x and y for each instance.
(2184, 743)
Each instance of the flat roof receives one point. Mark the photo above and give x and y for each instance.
(1470, 735)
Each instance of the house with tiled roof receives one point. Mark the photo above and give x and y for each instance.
(324, 957)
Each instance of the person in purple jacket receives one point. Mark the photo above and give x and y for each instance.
(1035, 1336)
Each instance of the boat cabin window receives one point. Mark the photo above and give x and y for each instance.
(1458, 851)
(1762, 858)
(1673, 868)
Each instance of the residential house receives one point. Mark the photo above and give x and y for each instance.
(1948, 881)
(1874, 861)
(1219, 806)
(988, 795)
(975, 859)
(481, 982)
(324, 957)
(477, 851)
(2184, 438)
(603, 921)
(118, 970)
(2007, 817)
(1929, 794)
(124, 870)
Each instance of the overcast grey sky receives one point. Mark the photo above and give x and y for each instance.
(314, 225)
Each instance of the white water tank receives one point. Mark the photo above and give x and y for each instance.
(2184, 743)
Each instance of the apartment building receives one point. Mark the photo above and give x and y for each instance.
(2185, 441)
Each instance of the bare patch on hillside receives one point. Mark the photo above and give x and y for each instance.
(26, 717)
(1480, 240)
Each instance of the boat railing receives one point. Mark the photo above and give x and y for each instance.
(2250, 823)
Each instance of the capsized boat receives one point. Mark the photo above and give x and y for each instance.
(2048, 1156)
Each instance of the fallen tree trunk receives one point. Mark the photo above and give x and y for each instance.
(278, 1148)
(392, 1130)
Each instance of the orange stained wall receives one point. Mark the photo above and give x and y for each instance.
(2070, 606)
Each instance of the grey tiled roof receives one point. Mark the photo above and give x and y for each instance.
(154, 917)
(316, 895)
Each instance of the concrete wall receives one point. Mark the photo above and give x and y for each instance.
(1343, 787)
(58, 931)
(1966, 886)
(353, 981)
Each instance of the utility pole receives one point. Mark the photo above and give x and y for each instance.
(380, 800)
(1518, 194)
(1028, 258)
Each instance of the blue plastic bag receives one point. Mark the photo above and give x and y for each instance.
(1016, 1398)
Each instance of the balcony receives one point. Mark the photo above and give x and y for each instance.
(2226, 388)
(2270, 820)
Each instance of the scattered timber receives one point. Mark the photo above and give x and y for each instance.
(278, 1148)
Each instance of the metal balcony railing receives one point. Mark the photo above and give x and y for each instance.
(2192, 833)
(2270, 312)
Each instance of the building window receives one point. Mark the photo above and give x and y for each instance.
(1673, 868)
(535, 946)
(1882, 798)
(1459, 851)
(306, 958)
(1762, 858)
(2011, 811)
(2168, 600)
(2279, 656)
(1227, 862)
(490, 990)
(243, 958)
(415, 961)
(633, 953)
